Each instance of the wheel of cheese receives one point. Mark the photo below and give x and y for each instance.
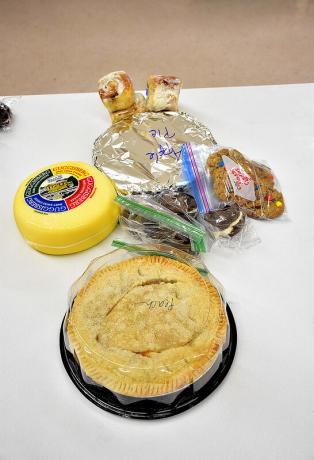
(66, 207)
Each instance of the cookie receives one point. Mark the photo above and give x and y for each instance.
(269, 205)
(227, 221)
(215, 159)
(249, 184)
(263, 173)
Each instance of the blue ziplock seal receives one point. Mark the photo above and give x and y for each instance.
(194, 173)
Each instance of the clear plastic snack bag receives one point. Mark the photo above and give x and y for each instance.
(6, 113)
(248, 183)
(147, 333)
(225, 222)
(163, 218)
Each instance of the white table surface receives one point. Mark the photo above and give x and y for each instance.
(264, 408)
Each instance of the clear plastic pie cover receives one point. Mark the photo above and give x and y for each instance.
(146, 321)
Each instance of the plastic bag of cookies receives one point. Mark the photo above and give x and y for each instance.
(225, 222)
(166, 217)
(250, 184)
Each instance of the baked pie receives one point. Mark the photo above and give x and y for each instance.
(146, 326)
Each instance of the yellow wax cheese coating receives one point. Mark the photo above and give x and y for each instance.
(65, 208)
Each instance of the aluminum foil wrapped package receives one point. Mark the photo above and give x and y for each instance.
(144, 152)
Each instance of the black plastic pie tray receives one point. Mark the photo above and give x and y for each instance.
(149, 409)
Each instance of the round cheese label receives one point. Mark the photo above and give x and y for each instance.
(59, 189)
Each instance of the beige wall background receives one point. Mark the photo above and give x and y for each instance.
(54, 46)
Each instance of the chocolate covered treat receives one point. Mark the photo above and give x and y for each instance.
(142, 228)
(178, 202)
(5, 115)
(227, 221)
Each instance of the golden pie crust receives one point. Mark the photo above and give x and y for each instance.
(146, 326)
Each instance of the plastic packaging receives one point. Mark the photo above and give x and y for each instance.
(146, 219)
(6, 114)
(147, 334)
(250, 184)
(225, 222)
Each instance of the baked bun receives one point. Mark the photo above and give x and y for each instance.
(163, 93)
(116, 91)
